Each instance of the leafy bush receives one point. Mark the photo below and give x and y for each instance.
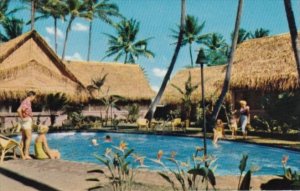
(121, 172)
(133, 112)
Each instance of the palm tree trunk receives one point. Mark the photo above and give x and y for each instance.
(32, 14)
(66, 37)
(191, 55)
(55, 34)
(153, 105)
(126, 55)
(225, 88)
(90, 42)
(294, 34)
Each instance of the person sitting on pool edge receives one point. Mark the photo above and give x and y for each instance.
(42, 150)
(108, 139)
(218, 131)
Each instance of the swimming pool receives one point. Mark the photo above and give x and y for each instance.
(77, 147)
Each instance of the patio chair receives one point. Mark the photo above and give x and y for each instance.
(141, 122)
(8, 144)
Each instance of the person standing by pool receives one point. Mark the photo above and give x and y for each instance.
(244, 117)
(25, 113)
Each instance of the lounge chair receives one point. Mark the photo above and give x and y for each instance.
(141, 122)
(8, 144)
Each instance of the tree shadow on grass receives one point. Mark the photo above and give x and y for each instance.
(25, 180)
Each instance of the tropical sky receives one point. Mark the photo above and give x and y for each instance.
(157, 18)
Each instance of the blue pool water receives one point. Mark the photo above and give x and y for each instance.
(77, 147)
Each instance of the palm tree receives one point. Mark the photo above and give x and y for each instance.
(225, 88)
(258, 33)
(34, 5)
(76, 8)
(13, 28)
(126, 42)
(217, 52)
(55, 102)
(4, 13)
(294, 33)
(191, 34)
(152, 108)
(102, 10)
(242, 36)
(55, 9)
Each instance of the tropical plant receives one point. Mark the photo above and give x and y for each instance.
(4, 13)
(76, 8)
(217, 49)
(191, 34)
(55, 102)
(244, 184)
(189, 175)
(121, 172)
(243, 35)
(226, 83)
(284, 108)
(186, 96)
(126, 42)
(34, 4)
(74, 113)
(56, 10)
(153, 105)
(13, 28)
(110, 102)
(133, 112)
(259, 33)
(103, 10)
(294, 33)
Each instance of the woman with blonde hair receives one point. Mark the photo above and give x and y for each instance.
(244, 117)
(42, 150)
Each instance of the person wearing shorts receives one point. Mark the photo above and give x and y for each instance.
(25, 113)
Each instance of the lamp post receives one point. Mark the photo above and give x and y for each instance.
(201, 60)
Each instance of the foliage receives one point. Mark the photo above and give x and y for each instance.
(217, 49)
(284, 108)
(133, 112)
(121, 172)
(293, 178)
(259, 33)
(186, 96)
(126, 43)
(111, 102)
(245, 184)
(191, 34)
(13, 28)
(55, 102)
(74, 113)
(189, 175)
(243, 35)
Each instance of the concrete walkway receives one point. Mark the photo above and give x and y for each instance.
(29, 175)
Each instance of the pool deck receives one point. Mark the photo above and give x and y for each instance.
(28, 175)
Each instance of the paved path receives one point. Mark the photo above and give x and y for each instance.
(30, 175)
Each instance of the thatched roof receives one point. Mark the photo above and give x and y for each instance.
(265, 64)
(28, 63)
(126, 80)
(211, 76)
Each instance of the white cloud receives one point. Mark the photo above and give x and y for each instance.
(50, 30)
(155, 88)
(159, 72)
(80, 27)
(75, 56)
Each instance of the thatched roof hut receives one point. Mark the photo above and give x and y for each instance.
(126, 80)
(28, 63)
(211, 76)
(265, 64)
